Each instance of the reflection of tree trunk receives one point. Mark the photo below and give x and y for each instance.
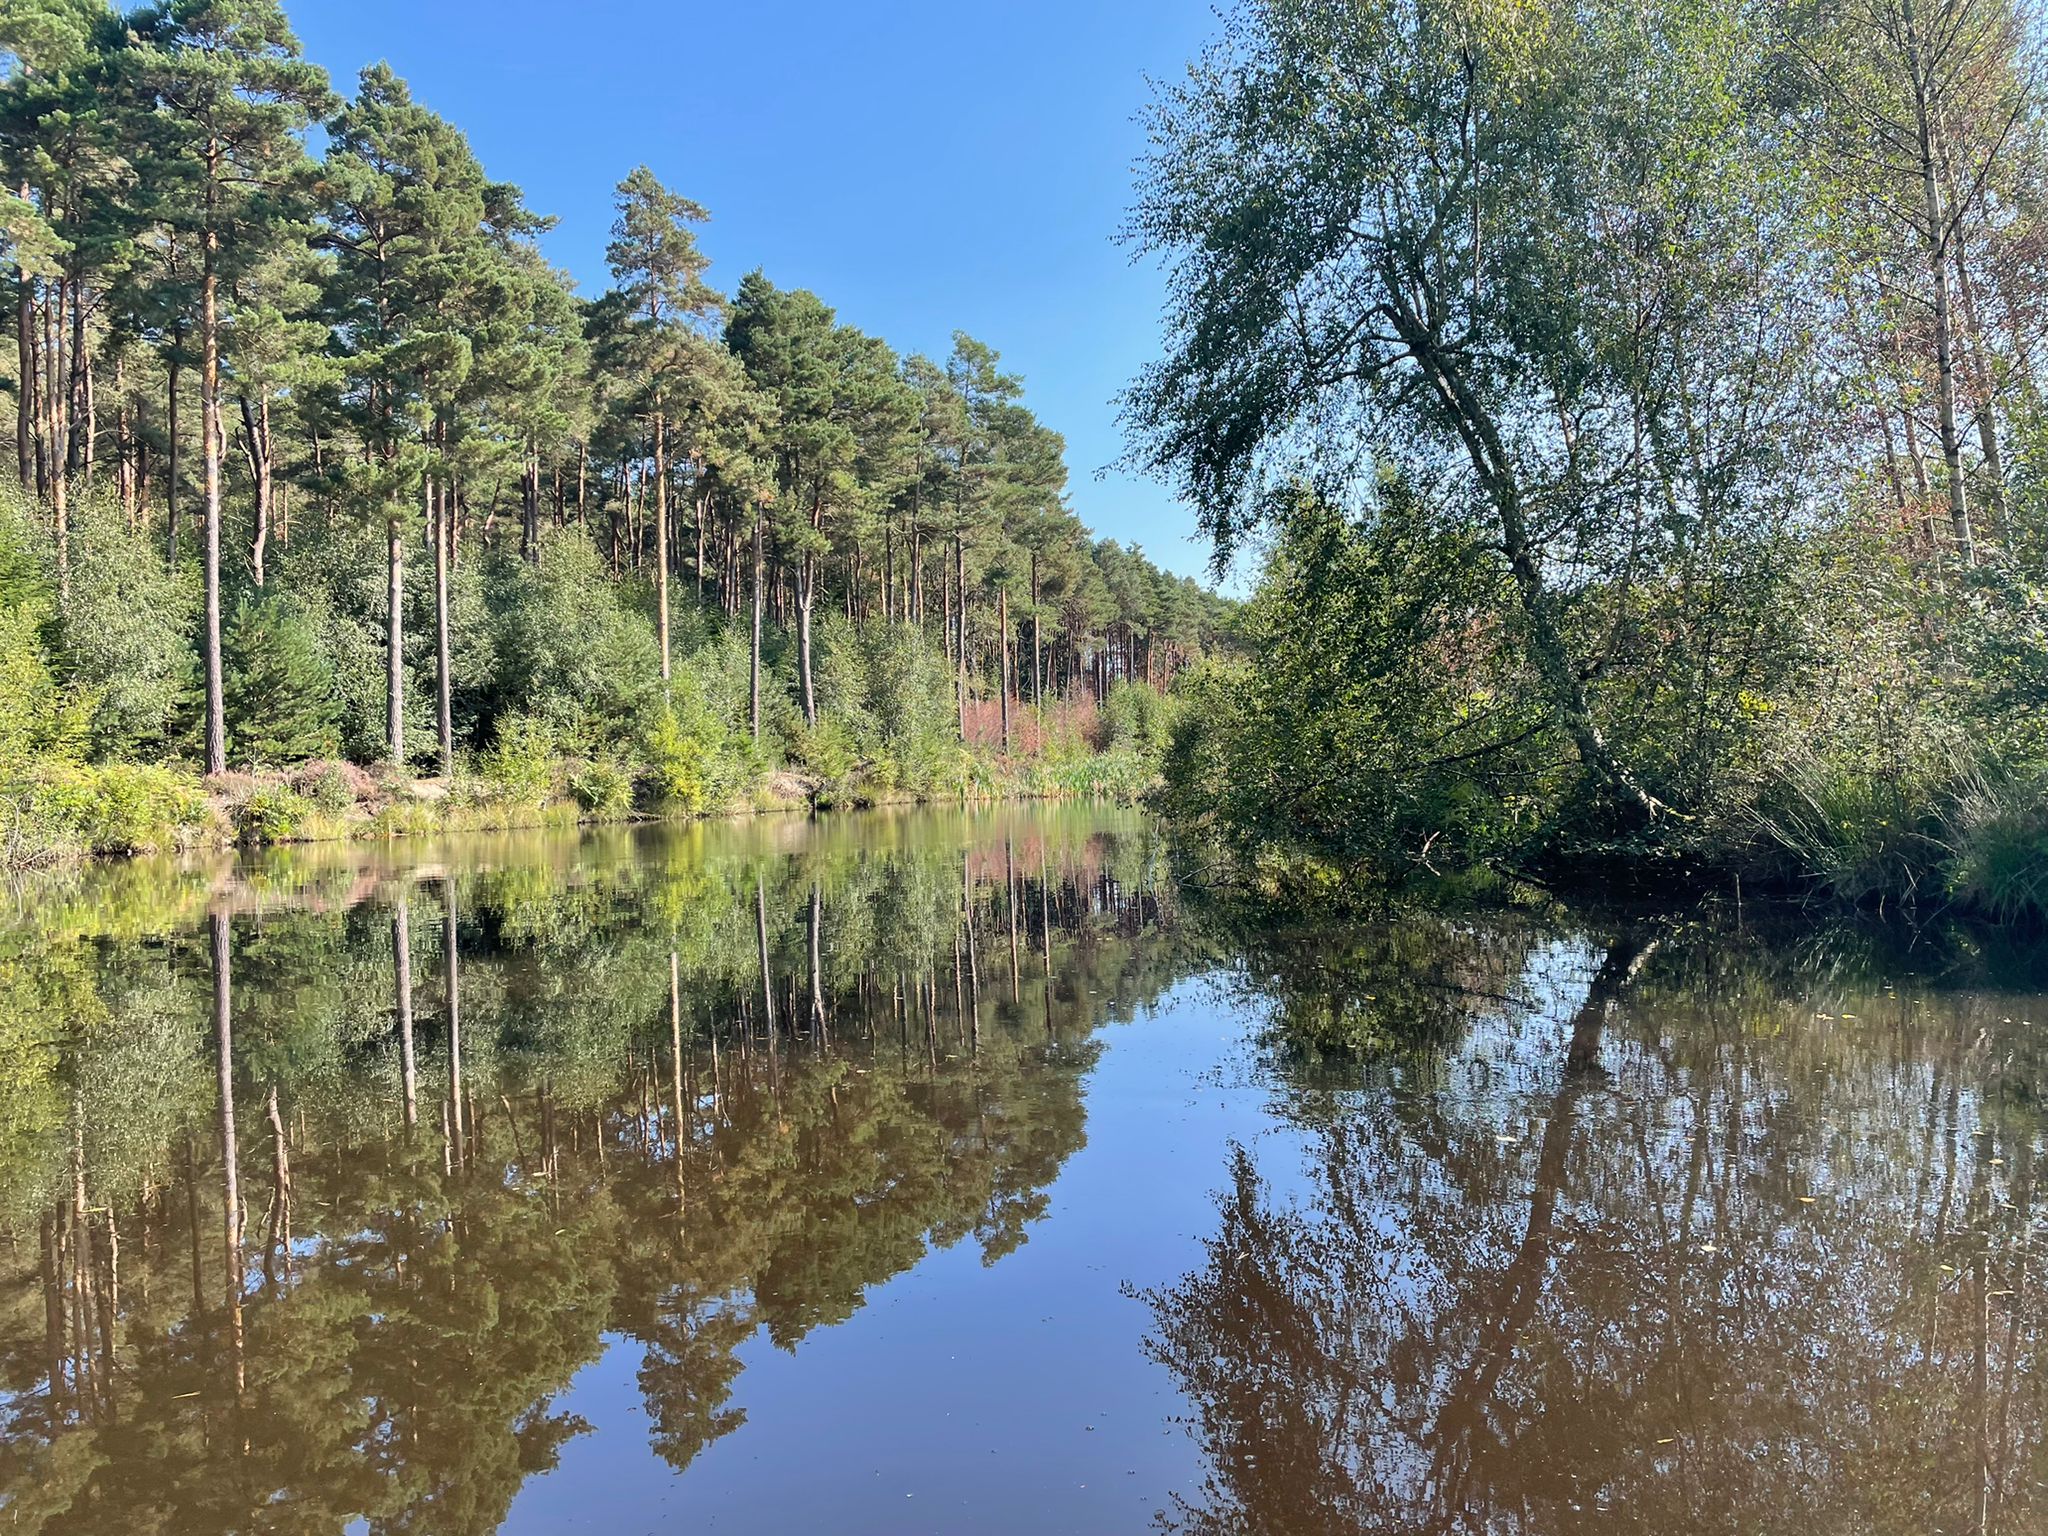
(675, 1046)
(1521, 1284)
(817, 916)
(230, 1162)
(761, 932)
(279, 1238)
(967, 925)
(82, 1325)
(454, 1018)
(192, 1222)
(401, 960)
(2023, 1220)
(1980, 1365)
(1617, 970)
(1010, 910)
(53, 1308)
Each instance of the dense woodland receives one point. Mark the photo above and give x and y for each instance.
(1638, 412)
(322, 458)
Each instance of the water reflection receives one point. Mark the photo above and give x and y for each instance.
(330, 1181)
(1655, 1233)
(323, 1177)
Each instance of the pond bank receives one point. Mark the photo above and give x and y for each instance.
(65, 813)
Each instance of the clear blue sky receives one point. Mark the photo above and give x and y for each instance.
(924, 165)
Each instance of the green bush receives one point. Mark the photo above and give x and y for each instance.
(1137, 719)
(117, 808)
(330, 786)
(130, 634)
(603, 788)
(274, 813)
(39, 719)
(681, 764)
(568, 650)
(520, 764)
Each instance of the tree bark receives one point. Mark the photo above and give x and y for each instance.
(1003, 659)
(209, 416)
(452, 960)
(661, 539)
(25, 373)
(394, 645)
(1497, 478)
(1037, 642)
(754, 673)
(806, 599)
(172, 367)
(1937, 261)
(256, 432)
(960, 629)
(440, 507)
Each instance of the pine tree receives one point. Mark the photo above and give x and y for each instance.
(406, 205)
(229, 84)
(660, 276)
(281, 706)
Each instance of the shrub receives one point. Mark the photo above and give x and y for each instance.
(39, 719)
(118, 808)
(568, 650)
(520, 764)
(333, 787)
(274, 813)
(129, 634)
(603, 788)
(681, 763)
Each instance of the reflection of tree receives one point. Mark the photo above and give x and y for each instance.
(640, 1156)
(1686, 1259)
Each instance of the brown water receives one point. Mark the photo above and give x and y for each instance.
(948, 1172)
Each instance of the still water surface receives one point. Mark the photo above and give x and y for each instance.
(949, 1172)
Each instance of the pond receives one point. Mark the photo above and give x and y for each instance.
(950, 1171)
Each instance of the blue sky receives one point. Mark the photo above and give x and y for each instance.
(924, 166)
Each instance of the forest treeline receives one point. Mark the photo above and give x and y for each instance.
(1638, 412)
(322, 459)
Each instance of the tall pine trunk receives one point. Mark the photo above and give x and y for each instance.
(440, 506)
(25, 372)
(209, 416)
(661, 539)
(1037, 641)
(754, 674)
(256, 429)
(1003, 658)
(960, 630)
(394, 644)
(173, 366)
(806, 600)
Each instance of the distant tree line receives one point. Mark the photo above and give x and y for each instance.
(322, 454)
